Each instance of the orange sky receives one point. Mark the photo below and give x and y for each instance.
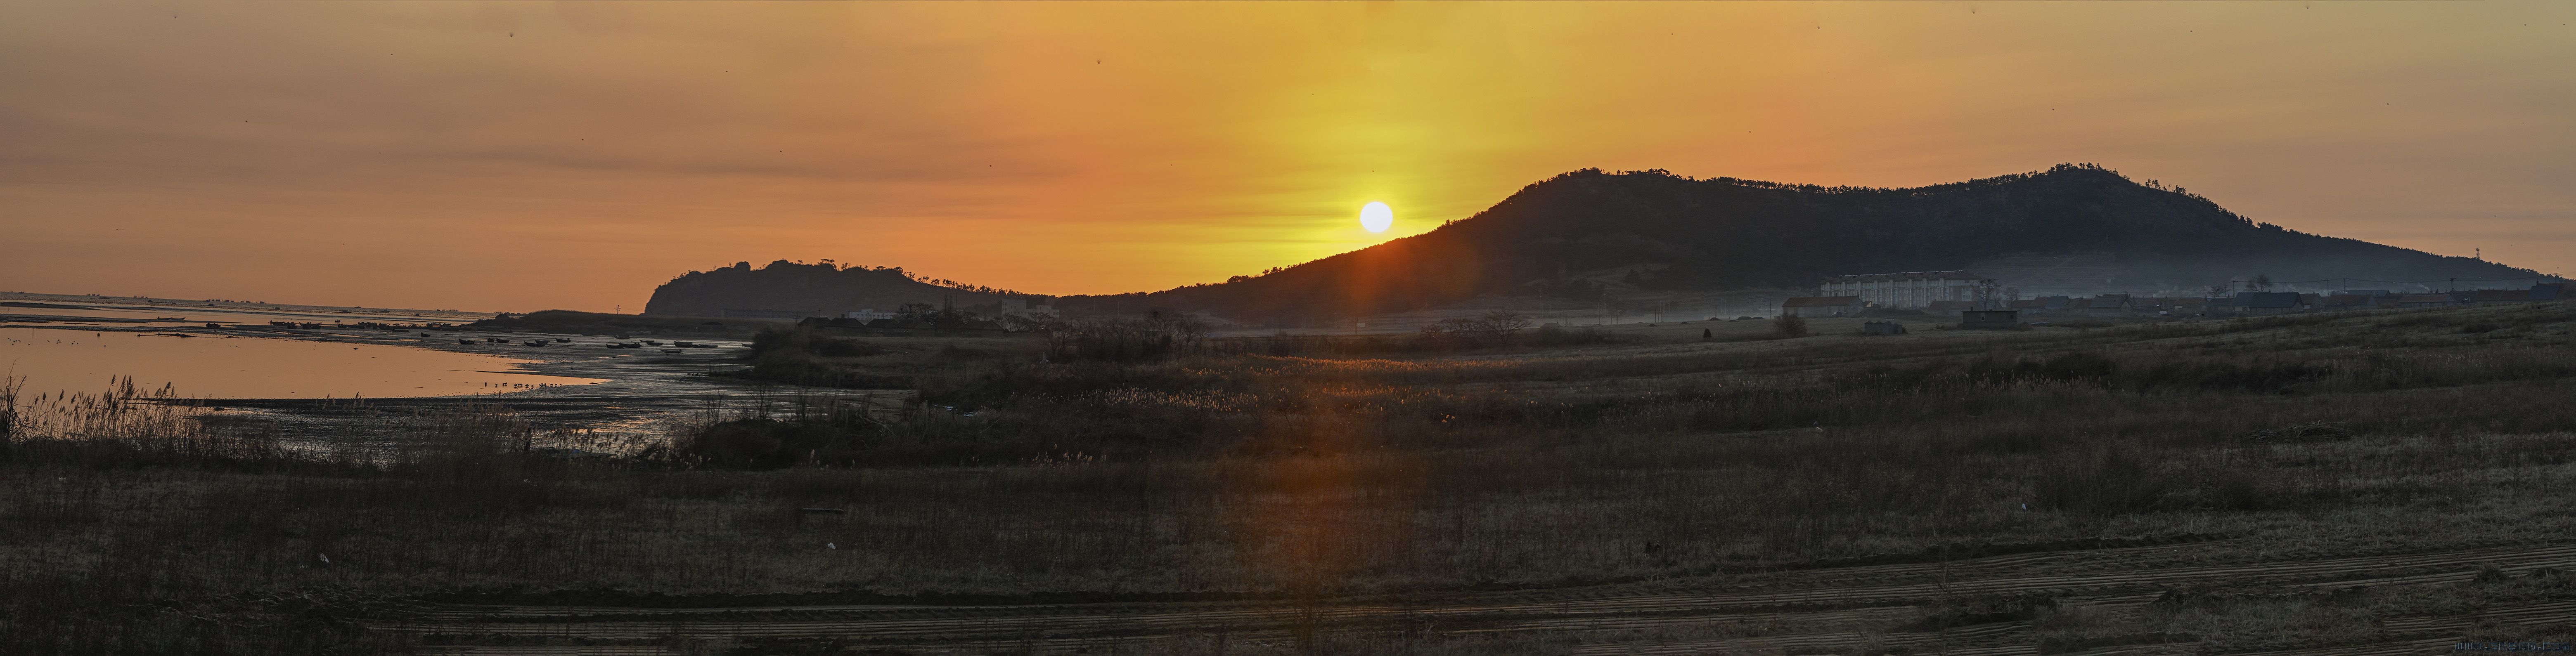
(531, 155)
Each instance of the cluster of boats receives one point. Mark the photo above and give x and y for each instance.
(674, 349)
(503, 340)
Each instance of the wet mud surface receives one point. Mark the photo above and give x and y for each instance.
(639, 388)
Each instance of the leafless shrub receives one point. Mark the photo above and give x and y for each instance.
(1789, 325)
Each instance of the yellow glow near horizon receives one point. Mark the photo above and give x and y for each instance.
(441, 154)
(1376, 217)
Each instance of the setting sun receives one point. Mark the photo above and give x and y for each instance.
(1376, 217)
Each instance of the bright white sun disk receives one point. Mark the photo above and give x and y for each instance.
(1376, 217)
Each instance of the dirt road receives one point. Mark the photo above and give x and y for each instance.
(1907, 607)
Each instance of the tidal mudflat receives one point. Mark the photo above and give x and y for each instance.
(236, 367)
(316, 376)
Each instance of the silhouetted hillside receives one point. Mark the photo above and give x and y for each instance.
(807, 289)
(1587, 232)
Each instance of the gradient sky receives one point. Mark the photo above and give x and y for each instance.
(530, 155)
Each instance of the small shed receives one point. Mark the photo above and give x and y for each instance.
(2547, 291)
(1990, 319)
(2501, 296)
(2424, 300)
(2110, 305)
(1882, 328)
(2255, 303)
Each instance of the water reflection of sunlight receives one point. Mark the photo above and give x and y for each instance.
(251, 367)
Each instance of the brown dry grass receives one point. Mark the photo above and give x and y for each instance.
(1293, 477)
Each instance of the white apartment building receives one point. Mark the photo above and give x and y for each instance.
(1912, 290)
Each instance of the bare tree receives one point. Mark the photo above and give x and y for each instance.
(1502, 323)
(1790, 325)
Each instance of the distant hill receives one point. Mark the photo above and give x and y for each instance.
(1588, 233)
(793, 289)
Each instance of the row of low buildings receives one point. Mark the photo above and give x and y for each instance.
(2263, 303)
(1911, 289)
(1948, 293)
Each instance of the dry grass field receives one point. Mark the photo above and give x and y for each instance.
(2391, 481)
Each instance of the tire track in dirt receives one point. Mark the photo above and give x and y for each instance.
(1607, 609)
(1802, 577)
(2407, 635)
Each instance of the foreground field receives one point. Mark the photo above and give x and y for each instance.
(2393, 481)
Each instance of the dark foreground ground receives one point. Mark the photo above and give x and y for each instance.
(2387, 482)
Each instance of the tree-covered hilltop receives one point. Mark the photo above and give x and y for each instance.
(1587, 233)
(1578, 233)
(823, 288)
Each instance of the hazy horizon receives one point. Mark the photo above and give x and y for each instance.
(523, 156)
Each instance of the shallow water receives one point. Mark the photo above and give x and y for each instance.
(74, 310)
(255, 367)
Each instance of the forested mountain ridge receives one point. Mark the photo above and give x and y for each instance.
(1668, 232)
(1585, 234)
(824, 289)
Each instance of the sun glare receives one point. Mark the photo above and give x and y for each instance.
(1376, 217)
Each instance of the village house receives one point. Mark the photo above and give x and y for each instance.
(1990, 319)
(2262, 303)
(2424, 300)
(1821, 306)
(2110, 305)
(2045, 305)
(2484, 296)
